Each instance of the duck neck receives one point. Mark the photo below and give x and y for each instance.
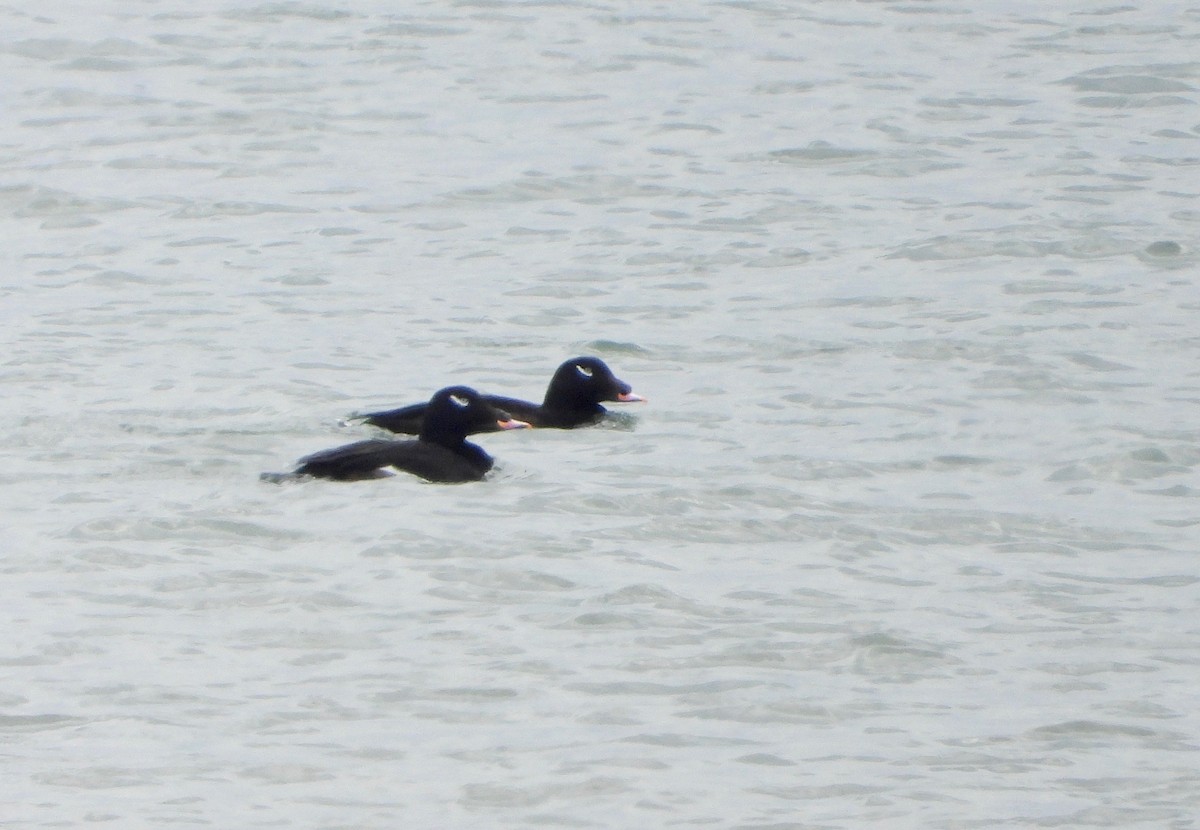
(565, 402)
(450, 439)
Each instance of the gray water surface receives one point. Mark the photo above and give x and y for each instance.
(906, 535)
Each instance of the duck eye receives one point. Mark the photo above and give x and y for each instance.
(459, 401)
(583, 370)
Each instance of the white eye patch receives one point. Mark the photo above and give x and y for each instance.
(459, 401)
(583, 370)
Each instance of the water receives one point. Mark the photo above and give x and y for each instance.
(905, 537)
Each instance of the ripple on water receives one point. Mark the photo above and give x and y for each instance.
(145, 529)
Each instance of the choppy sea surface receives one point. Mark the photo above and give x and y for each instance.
(906, 536)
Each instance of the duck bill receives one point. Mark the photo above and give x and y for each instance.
(630, 397)
(513, 423)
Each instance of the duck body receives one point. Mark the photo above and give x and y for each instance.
(375, 457)
(573, 399)
(440, 453)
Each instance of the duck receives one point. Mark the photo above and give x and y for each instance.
(573, 399)
(440, 453)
